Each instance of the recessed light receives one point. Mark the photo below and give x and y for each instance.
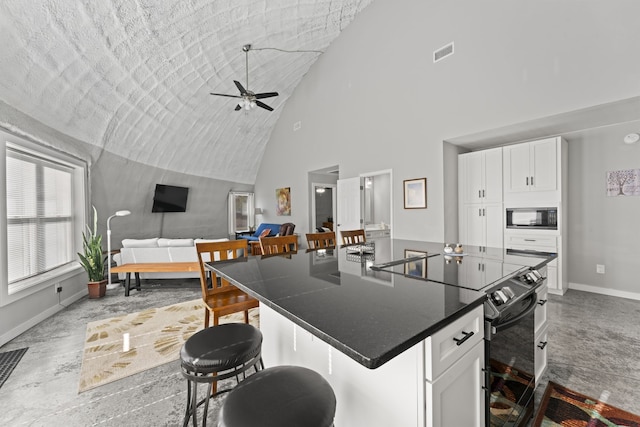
(632, 138)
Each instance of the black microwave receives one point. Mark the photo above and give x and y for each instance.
(532, 218)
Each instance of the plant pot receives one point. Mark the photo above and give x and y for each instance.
(97, 289)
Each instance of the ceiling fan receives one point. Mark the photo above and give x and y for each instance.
(248, 99)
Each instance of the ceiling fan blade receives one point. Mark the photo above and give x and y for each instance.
(224, 94)
(263, 105)
(240, 88)
(266, 95)
(238, 107)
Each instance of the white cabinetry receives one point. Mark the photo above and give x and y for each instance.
(541, 327)
(532, 171)
(481, 176)
(482, 225)
(425, 385)
(454, 363)
(480, 195)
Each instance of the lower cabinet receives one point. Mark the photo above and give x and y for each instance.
(412, 389)
(456, 398)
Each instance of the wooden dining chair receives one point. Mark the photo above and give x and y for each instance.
(352, 237)
(279, 244)
(220, 296)
(322, 240)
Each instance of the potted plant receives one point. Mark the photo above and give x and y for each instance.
(92, 259)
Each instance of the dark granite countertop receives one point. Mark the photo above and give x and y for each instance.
(369, 315)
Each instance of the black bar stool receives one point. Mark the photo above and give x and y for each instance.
(215, 354)
(281, 396)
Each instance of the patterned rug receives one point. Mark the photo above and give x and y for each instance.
(8, 361)
(563, 407)
(155, 337)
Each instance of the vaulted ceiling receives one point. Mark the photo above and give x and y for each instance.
(134, 76)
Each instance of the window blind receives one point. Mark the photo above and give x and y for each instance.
(40, 228)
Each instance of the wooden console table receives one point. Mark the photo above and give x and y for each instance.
(152, 267)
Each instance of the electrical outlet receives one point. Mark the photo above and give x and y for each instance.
(600, 268)
(58, 288)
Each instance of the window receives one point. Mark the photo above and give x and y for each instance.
(241, 212)
(44, 212)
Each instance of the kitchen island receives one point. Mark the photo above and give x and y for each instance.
(398, 349)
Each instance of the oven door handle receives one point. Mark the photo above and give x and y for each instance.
(525, 313)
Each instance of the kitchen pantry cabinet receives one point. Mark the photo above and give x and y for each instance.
(425, 385)
(532, 170)
(480, 195)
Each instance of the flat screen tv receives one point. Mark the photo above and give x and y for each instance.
(169, 198)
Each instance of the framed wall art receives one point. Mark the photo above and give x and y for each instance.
(283, 201)
(415, 193)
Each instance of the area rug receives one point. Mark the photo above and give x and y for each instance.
(563, 407)
(155, 337)
(8, 361)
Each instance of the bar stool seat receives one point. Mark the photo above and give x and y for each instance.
(214, 354)
(281, 396)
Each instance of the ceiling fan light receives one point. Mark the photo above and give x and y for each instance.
(247, 105)
(253, 104)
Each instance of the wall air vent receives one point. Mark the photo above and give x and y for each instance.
(443, 52)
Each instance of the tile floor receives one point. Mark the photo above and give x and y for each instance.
(594, 343)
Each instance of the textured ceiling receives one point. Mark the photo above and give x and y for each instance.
(134, 76)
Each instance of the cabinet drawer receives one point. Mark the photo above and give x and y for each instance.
(448, 345)
(541, 309)
(536, 242)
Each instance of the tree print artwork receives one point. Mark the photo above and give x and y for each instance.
(624, 182)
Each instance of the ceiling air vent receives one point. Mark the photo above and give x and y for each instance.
(443, 52)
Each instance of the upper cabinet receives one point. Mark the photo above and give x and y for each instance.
(481, 176)
(532, 170)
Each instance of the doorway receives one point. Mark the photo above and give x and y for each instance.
(323, 198)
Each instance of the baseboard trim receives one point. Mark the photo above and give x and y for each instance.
(605, 291)
(23, 327)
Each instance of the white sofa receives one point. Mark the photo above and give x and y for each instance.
(160, 250)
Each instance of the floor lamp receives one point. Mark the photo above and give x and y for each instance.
(119, 213)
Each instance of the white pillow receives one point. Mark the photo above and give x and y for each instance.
(210, 240)
(174, 243)
(140, 243)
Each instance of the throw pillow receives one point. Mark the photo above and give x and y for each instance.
(265, 232)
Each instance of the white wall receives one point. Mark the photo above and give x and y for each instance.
(375, 100)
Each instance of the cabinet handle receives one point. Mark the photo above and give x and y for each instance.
(531, 180)
(483, 267)
(529, 240)
(542, 302)
(479, 194)
(542, 345)
(467, 335)
(479, 212)
(527, 180)
(484, 212)
(482, 193)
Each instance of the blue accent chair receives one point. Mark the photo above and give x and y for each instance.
(275, 229)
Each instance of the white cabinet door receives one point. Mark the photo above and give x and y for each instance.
(543, 165)
(541, 354)
(492, 175)
(474, 224)
(456, 398)
(494, 225)
(473, 181)
(516, 168)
